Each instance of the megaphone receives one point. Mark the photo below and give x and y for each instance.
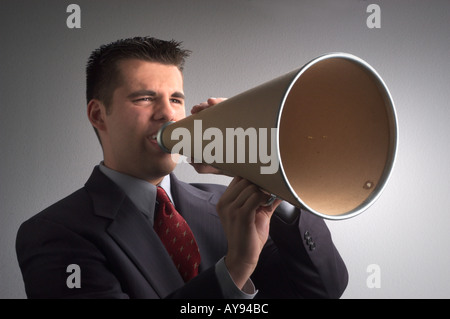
(334, 135)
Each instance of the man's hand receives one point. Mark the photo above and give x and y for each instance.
(244, 216)
(210, 102)
(246, 223)
(201, 167)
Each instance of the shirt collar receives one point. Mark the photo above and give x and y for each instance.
(140, 192)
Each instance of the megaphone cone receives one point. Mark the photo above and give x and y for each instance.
(329, 128)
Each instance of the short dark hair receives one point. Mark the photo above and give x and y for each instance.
(102, 74)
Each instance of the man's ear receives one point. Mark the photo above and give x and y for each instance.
(96, 113)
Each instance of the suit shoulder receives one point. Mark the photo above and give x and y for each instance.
(73, 204)
(203, 191)
(209, 187)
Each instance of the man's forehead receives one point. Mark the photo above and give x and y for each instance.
(138, 72)
(135, 74)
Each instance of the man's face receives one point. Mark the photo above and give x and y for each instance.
(150, 94)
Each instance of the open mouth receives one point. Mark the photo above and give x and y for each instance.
(152, 138)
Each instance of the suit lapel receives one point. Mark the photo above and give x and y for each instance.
(134, 234)
(198, 207)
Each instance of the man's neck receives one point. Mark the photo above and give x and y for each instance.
(151, 179)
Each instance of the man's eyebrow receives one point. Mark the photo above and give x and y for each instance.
(179, 95)
(153, 93)
(141, 93)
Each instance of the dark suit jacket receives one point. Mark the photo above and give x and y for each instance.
(120, 256)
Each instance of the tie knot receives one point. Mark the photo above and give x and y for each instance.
(161, 195)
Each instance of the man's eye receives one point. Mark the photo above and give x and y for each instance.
(144, 99)
(176, 101)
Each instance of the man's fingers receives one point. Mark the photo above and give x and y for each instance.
(214, 100)
(242, 193)
(199, 107)
(210, 102)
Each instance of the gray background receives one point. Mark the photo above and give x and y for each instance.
(48, 148)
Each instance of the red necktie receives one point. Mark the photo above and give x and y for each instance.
(176, 236)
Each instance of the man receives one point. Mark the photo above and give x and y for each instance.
(106, 233)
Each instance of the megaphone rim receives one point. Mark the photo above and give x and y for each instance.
(393, 137)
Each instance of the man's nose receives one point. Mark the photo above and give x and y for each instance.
(163, 111)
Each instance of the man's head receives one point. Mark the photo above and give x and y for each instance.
(134, 86)
(102, 73)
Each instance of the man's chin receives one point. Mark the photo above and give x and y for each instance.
(167, 164)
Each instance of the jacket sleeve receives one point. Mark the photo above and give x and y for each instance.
(300, 260)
